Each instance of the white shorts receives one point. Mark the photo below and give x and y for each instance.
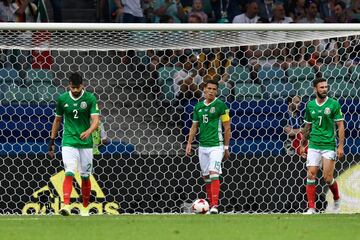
(210, 159)
(314, 157)
(78, 158)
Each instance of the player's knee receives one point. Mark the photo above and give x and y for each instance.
(328, 178)
(311, 175)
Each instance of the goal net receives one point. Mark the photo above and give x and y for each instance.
(148, 79)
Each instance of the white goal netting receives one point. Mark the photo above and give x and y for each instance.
(136, 71)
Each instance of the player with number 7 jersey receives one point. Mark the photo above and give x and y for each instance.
(80, 112)
(321, 115)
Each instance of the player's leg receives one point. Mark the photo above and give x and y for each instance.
(85, 169)
(216, 155)
(328, 158)
(312, 164)
(204, 166)
(70, 156)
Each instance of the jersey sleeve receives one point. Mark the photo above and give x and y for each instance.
(94, 109)
(59, 108)
(307, 117)
(195, 115)
(225, 113)
(338, 114)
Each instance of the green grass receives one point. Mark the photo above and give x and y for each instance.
(204, 227)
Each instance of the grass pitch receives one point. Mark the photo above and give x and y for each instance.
(143, 227)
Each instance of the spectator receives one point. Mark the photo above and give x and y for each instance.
(340, 13)
(278, 12)
(8, 11)
(57, 10)
(187, 81)
(327, 10)
(219, 7)
(198, 9)
(311, 10)
(234, 9)
(194, 18)
(166, 19)
(296, 9)
(172, 8)
(132, 11)
(355, 6)
(250, 15)
(293, 126)
(17, 11)
(266, 9)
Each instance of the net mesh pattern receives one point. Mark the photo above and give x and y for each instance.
(147, 119)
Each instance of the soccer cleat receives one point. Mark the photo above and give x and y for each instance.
(84, 212)
(214, 210)
(337, 204)
(65, 210)
(310, 211)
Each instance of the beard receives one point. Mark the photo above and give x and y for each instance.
(322, 96)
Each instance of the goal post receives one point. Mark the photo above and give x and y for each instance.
(133, 70)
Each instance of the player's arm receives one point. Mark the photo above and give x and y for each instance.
(341, 132)
(94, 125)
(339, 119)
(192, 134)
(225, 119)
(53, 134)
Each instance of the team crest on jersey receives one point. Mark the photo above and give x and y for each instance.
(83, 105)
(200, 110)
(327, 111)
(66, 105)
(212, 109)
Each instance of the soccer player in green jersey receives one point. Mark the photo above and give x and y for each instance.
(81, 117)
(208, 116)
(321, 115)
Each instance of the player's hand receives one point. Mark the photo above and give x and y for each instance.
(226, 155)
(340, 152)
(51, 148)
(85, 135)
(188, 149)
(302, 152)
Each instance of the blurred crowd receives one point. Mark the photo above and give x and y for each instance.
(236, 11)
(194, 11)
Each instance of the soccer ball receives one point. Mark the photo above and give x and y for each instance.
(200, 206)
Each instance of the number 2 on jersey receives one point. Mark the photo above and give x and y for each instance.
(76, 114)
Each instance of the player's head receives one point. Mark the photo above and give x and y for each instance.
(321, 87)
(76, 84)
(210, 89)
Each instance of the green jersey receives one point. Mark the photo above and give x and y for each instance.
(77, 113)
(322, 118)
(210, 118)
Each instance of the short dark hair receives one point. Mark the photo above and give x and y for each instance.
(211, 81)
(309, 2)
(318, 80)
(75, 78)
(341, 4)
